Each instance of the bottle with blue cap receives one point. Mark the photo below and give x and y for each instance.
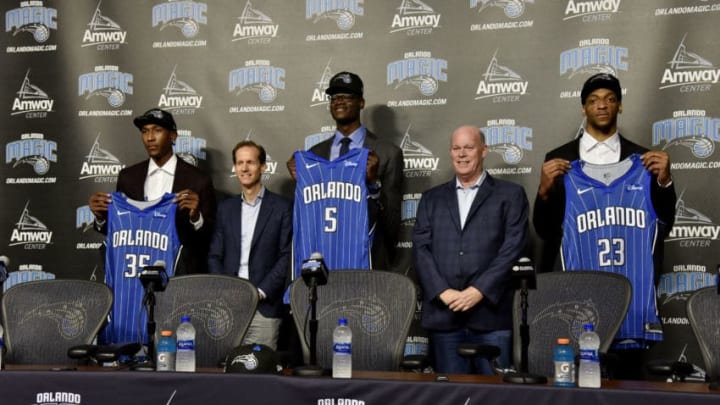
(342, 350)
(185, 356)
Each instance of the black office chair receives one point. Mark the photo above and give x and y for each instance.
(220, 308)
(379, 307)
(562, 303)
(703, 310)
(44, 318)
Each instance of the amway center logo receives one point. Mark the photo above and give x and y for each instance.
(25, 273)
(418, 160)
(30, 232)
(511, 8)
(591, 11)
(501, 83)
(179, 97)
(255, 27)
(319, 97)
(189, 148)
(592, 56)
(260, 77)
(108, 82)
(31, 100)
(342, 12)
(186, 15)
(689, 71)
(103, 32)
(33, 18)
(100, 165)
(692, 228)
(34, 150)
(414, 17)
(691, 129)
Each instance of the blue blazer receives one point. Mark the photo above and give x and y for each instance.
(270, 249)
(481, 254)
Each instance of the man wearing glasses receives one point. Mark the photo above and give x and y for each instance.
(384, 164)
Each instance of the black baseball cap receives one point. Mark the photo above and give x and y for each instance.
(601, 81)
(345, 82)
(158, 117)
(253, 358)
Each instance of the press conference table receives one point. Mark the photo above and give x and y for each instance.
(36, 385)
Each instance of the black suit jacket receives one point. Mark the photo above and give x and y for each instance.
(270, 249)
(385, 211)
(193, 257)
(548, 215)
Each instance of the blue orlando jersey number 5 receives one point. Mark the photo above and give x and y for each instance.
(330, 212)
(139, 233)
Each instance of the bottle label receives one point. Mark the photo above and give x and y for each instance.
(344, 348)
(564, 372)
(589, 355)
(186, 345)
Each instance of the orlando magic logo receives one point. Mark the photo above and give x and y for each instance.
(179, 97)
(108, 82)
(254, 26)
(369, 312)
(343, 12)
(507, 139)
(70, 317)
(35, 19)
(692, 228)
(34, 150)
(511, 8)
(574, 314)
(418, 69)
(258, 77)
(679, 284)
(186, 15)
(415, 17)
(84, 218)
(592, 56)
(499, 80)
(314, 139)
(103, 32)
(189, 148)
(691, 129)
(31, 100)
(214, 315)
(250, 361)
(25, 273)
(690, 71)
(408, 208)
(30, 231)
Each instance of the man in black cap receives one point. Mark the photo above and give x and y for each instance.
(163, 173)
(384, 167)
(600, 143)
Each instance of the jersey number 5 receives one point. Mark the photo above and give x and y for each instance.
(330, 219)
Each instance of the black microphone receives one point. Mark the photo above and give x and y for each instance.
(4, 263)
(524, 270)
(314, 269)
(154, 276)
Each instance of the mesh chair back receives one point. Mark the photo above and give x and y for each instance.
(379, 307)
(44, 318)
(703, 309)
(562, 303)
(220, 308)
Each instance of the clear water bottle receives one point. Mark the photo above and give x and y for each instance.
(185, 356)
(564, 359)
(166, 349)
(342, 350)
(589, 371)
(2, 344)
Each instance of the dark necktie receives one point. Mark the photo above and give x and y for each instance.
(345, 146)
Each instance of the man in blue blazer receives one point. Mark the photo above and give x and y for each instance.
(468, 234)
(252, 240)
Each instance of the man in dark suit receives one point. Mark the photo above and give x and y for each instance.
(601, 143)
(163, 173)
(468, 234)
(384, 168)
(252, 240)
